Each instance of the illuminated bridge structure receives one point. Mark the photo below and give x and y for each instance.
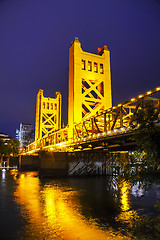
(95, 127)
(93, 123)
(108, 130)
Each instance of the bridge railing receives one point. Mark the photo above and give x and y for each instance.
(52, 140)
(115, 120)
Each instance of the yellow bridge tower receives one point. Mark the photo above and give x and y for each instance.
(89, 83)
(48, 115)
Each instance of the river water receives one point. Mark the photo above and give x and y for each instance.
(71, 208)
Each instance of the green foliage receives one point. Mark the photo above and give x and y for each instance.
(2, 150)
(14, 146)
(147, 134)
(143, 167)
(9, 147)
(147, 228)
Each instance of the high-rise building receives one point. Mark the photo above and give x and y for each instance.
(25, 134)
(17, 134)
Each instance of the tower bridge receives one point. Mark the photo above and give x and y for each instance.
(108, 129)
(93, 123)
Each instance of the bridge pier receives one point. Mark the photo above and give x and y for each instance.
(29, 162)
(53, 164)
(64, 164)
(96, 163)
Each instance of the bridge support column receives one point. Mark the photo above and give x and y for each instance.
(29, 162)
(53, 164)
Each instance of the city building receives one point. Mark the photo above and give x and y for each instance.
(25, 134)
(4, 136)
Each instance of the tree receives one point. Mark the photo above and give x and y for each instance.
(147, 134)
(9, 147)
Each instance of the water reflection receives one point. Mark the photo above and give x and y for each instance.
(3, 174)
(53, 211)
(14, 173)
(137, 190)
(27, 196)
(127, 215)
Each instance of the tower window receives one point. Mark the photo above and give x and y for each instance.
(83, 64)
(51, 106)
(95, 67)
(43, 105)
(47, 105)
(101, 68)
(55, 107)
(89, 66)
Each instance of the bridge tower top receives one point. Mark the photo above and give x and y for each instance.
(89, 83)
(48, 115)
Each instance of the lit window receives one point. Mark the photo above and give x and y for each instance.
(43, 105)
(48, 105)
(89, 66)
(95, 67)
(83, 65)
(101, 68)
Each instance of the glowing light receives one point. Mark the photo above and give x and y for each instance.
(158, 88)
(140, 96)
(133, 99)
(126, 215)
(59, 213)
(149, 92)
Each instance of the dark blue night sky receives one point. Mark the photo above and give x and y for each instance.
(35, 36)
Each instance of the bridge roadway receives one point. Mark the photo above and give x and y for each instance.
(107, 130)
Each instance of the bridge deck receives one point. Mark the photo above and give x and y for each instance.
(108, 129)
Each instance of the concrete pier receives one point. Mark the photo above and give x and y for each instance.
(29, 162)
(53, 164)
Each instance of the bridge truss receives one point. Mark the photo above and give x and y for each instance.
(108, 129)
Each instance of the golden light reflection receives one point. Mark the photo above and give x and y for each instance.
(54, 212)
(63, 207)
(27, 195)
(14, 173)
(127, 215)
